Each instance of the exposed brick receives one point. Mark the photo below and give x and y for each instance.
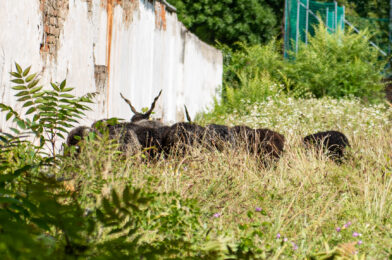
(46, 28)
(50, 39)
(53, 21)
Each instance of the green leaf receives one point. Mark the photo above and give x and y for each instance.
(54, 86)
(38, 95)
(9, 115)
(21, 124)
(26, 71)
(19, 87)
(31, 77)
(16, 75)
(28, 103)
(33, 83)
(18, 68)
(36, 89)
(23, 98)
(22, 93)
(18, 81)
(62, 85)
(16, 131)
(31, 110)
(116, 200)
(67, 95)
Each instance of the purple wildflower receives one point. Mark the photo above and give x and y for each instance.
(257, 209)
(295, 247)
(285, 239)
(217, 215)
(356, 234)
(338, 229)
(347, 224)
(278, 236)
(360, 242)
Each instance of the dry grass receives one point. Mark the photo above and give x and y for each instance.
(304, 197)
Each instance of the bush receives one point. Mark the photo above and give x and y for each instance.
(335, 65)
(338, 65)
(228, 21)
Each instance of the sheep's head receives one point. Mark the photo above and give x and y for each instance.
(141, 116)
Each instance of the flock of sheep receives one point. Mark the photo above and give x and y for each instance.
(155, 138)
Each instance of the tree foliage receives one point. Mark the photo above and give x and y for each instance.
(229, 21)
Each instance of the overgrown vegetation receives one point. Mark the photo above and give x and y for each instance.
(335, 65)
(252, 21)
(210, 204)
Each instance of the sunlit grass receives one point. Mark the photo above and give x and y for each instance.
(302, 202)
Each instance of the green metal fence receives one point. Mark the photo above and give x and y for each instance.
(301, 17)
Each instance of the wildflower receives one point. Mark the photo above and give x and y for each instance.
(360, 242)
(356, 234)
(278, 236)
(347, 225)
(258, 209)
(285, 239)
(338, 229)
(217, 215)
(295, 247)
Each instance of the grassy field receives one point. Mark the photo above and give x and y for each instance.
(303, 205)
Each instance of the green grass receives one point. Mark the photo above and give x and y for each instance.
(304, 197)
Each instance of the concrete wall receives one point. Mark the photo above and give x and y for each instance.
(136, 47)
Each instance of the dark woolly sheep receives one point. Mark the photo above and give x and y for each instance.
(332, 142)
(147, 137)
(261, 142)
(180, 136)
(220, 136)
(76, 135)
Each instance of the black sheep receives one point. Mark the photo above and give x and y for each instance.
(180, 136)
(261, 142)
(76, 135)
(332, 142)
(220, 136)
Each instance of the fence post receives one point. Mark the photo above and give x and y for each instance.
(285, 45)
(307, 21)
(326, 19)
(297, 30)
(336, 15)
(390, 27)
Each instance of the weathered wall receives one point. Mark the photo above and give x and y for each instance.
(135, 47)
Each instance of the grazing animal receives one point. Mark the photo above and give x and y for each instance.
(217, 135)
(76, 135)
(262, 142)
(220, 136)
(180, 136)
(332, 142)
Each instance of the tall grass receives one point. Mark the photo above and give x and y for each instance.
(303, 199)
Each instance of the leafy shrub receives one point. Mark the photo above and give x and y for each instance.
(49, 112)
(42, 216)
(251, 21)
(336, 65)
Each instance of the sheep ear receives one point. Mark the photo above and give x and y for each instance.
(188, 117)
(130, 105)
(148, 113)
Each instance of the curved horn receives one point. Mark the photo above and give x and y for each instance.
(130, 105)
(188, 117)
(148, 113)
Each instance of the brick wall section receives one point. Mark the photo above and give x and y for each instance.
(54, 13)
